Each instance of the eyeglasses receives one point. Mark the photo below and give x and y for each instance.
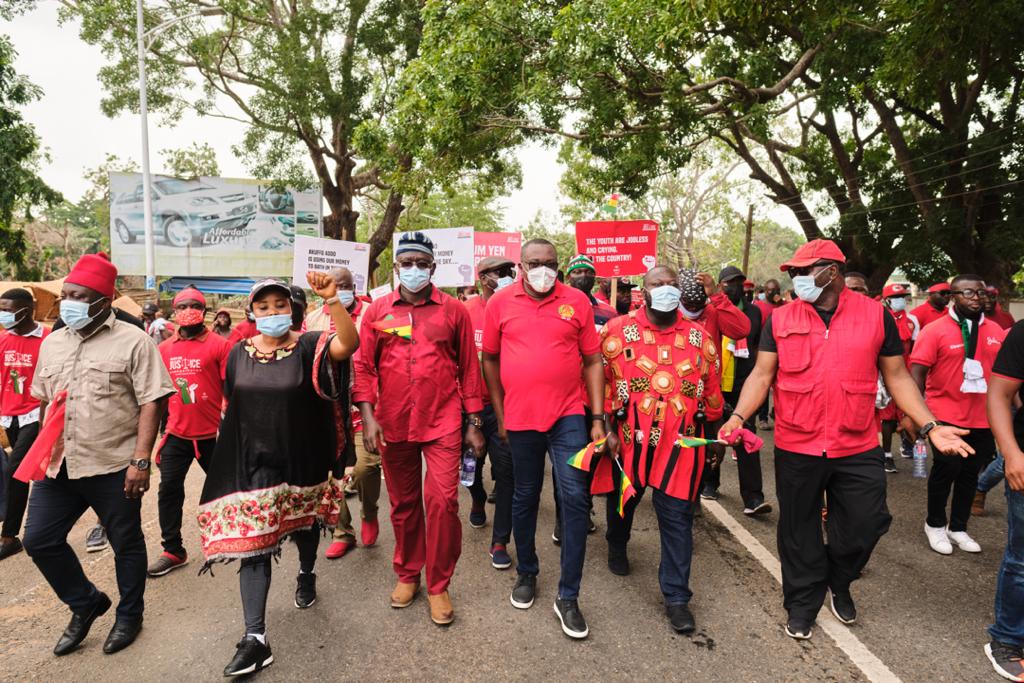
(422, 264)
(971, 293)
(806, 270)
(530, 265)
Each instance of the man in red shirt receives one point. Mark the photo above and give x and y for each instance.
(495, 273)
(821, 355)
(19, 410)
(951, 363)
(623, 294)
(196, 360)
(935, 306)
(661, 383)
(416, 373)
(895, 298)
(706, 303)
(539, 339)
(994, 311)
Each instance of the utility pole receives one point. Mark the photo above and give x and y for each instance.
(746, 238)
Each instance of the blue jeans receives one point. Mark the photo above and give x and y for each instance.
(565, 437)
(991, 475)
(1009, 625)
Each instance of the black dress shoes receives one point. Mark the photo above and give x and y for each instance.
(123, 634)
(78, 627)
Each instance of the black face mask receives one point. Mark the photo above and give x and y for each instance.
(734, 292)
(748, 297)
(585, 283)
(622, 307)
(192, 330)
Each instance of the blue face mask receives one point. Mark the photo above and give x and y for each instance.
(346, 297)
(665, 298)
(8, 319)
(897, 304)
(75, 314)
(502, 283)
(414, 279)
(274, 325)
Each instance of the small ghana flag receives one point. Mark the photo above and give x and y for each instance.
(626, 491)
(694, 441)
(582, 458)
(400, 327)
(612, 205)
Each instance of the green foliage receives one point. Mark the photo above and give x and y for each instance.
(193, 161)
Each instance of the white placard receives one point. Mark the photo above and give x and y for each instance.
(378, 292)
(315, 253)
(453, 254)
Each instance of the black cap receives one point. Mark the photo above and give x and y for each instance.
(730, 273)
(298, 294)
(149, 307)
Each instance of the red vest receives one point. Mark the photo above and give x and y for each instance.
(827, 378)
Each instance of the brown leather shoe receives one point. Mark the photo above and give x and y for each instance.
(404, 594)
(978, 506)
(441, 612)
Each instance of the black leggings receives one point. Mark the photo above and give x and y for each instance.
(254, 578)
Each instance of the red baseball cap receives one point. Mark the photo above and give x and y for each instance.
(894, 289)
(812, 252)
(748, 284)
(939, 287)
(96, 272)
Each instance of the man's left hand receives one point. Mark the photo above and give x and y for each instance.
(597, 430)
(475, 438)
(136, 482)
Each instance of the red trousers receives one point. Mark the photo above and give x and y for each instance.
(436, 539)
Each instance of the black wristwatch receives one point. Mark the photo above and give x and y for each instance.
(141, 465)
(475, 421)
(927, 428)
(597, 416)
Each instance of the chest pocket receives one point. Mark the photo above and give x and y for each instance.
(794, 347)
(47, 377)
(104, 377)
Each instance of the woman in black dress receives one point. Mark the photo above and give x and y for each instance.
(270, 473)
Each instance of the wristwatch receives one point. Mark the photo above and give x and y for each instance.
(597, 416)
(928, 428)
(475, 421)
(142, 464)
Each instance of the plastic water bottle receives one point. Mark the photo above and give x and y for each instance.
(920, 459)
(468, 473)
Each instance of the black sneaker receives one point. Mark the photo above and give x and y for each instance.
(556, 534)
(843, 607)
(524, 591)
(708, 493)
(96, 539)
(890, 465)
(618, 561)
(801, 629)
(305, 590)
(573, 623)
(761, 508)
(250, 657)
(12, 547)
(681, 618)
(1006, 660)
(478, 517)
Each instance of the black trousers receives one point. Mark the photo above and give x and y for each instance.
(961, 475)
(176, 457)
(21, 439)
(854, 487)
(501, 471)
(748, 465)
(53, 508)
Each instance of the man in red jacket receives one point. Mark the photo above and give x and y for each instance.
(935, 306)
(19, 410)
(661, 383)
(823, 353)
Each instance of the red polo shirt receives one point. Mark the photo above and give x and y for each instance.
(940, 348)
(197, 370)
(20, 355)
(540, 344)
(926, 314)
(415, 385)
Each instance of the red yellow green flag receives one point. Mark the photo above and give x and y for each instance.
(626, 491)
(612, 205)
(581, 460)
(694, 441)
(400, 327)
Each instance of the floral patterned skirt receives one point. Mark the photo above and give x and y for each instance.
(250, 523)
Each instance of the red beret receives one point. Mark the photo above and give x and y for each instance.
(938, 287)
(189, 293)
(95, 272)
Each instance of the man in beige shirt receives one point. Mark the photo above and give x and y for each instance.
(114, 382)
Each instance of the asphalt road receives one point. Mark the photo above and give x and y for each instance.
(921, 614)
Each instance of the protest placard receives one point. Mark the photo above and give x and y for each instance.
(619, 248)
(453, 255)
(504, 244)
(315, 253)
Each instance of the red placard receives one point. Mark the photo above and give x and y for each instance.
(619, 248)
(507, 244)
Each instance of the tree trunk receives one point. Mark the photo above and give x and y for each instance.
(381, 237)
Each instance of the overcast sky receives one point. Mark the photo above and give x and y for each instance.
(78, 135)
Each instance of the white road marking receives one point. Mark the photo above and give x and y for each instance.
(871, 666)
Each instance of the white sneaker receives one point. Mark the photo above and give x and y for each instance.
(964, 542)
(938, 539)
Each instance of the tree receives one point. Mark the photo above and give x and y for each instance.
(191, 162)
(886, 125)
(307, 79)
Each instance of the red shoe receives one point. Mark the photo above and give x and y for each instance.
(339, 549)
(369, 531)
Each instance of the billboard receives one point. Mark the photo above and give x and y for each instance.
(506, 244)
(210, 226)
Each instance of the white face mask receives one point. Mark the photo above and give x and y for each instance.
(761, 297)
(541, 279)
(898, 304)
(690, 315)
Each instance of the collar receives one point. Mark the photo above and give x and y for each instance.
(956, 318)
(557, 292)
(108, 323)
(201, 337)
(36, 332)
